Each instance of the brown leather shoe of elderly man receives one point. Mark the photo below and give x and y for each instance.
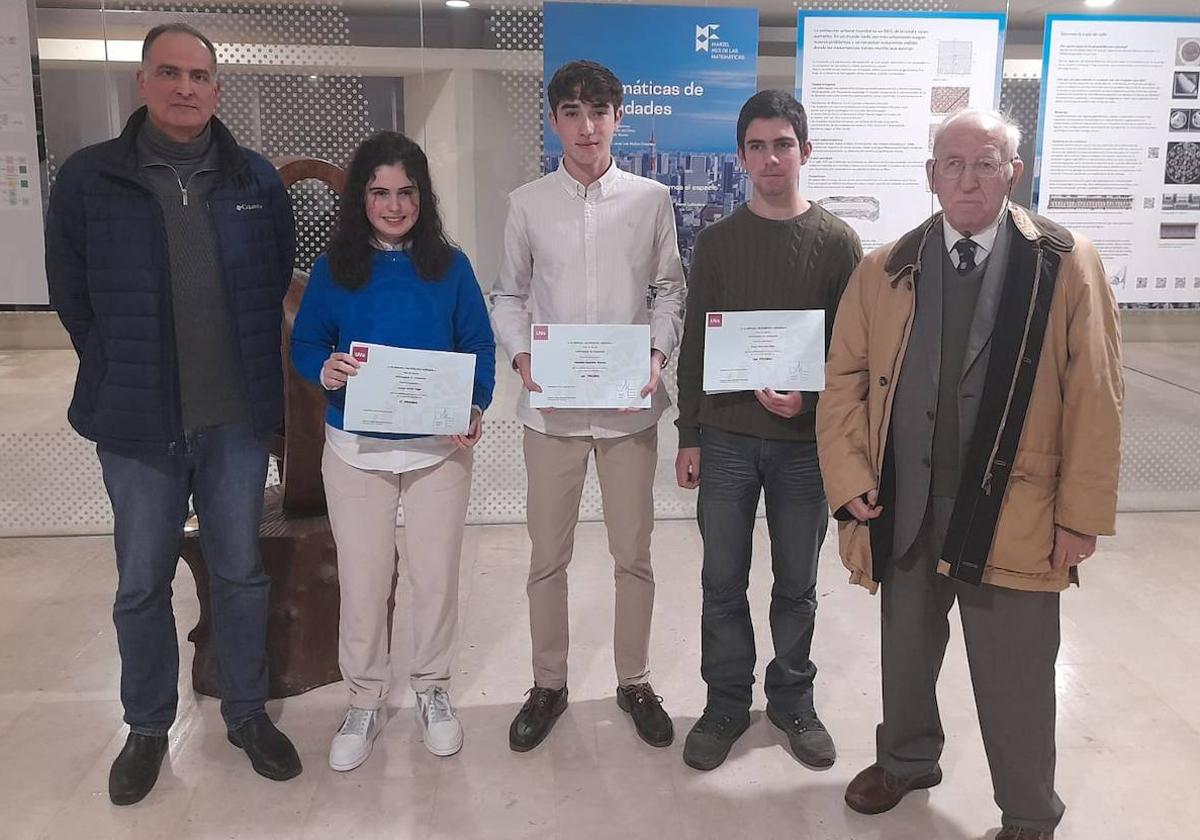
(1012, 832)
(875, 790)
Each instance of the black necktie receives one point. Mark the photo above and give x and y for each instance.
(965, 249)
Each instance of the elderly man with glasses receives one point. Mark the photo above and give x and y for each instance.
(969, 438)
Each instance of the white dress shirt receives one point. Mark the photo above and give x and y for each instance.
(984, 241)
(387, 455)
(589, 255)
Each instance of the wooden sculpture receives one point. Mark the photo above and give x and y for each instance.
(295, 540)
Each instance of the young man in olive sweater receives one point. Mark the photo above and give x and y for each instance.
(777, 251)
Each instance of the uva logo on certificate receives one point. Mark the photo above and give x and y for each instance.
(590, 365)
(398, 390)
(781, 349)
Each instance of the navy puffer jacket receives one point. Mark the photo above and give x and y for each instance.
(108, 270)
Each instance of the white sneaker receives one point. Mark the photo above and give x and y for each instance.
(352, 744)
(440, 729)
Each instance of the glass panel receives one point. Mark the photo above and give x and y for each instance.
(467, 83)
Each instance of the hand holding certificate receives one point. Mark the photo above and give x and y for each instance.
(414, 392)
(590, 365)
(783, 350)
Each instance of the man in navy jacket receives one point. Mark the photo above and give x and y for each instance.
(168, 252)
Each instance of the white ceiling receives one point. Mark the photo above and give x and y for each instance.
(1023, 14)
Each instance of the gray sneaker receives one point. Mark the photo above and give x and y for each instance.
(355, 738)
(711, 739)
(809, 739)
(440, 729)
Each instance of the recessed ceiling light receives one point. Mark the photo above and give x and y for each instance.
(458, 4)
(1098, 4)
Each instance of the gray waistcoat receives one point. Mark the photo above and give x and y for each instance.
(914, 411)
(960, 291)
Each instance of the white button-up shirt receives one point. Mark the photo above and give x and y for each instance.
(984, 241)
(589, 255)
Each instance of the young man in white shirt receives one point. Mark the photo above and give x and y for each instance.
(589, 244)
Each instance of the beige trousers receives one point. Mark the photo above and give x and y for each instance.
(362, 513)
(557, 467)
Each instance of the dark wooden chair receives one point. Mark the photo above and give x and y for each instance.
(295, 540)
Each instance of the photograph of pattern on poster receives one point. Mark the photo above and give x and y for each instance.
(1119, 152)
(876, 85)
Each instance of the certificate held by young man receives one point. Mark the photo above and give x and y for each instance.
(783, 350)
(590, 365)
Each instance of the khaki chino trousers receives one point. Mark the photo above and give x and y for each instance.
(362, 513)
(557, 467)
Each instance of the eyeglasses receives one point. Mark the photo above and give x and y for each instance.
(985, 169)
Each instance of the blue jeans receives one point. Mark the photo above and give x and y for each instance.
(223, 468)
(734, 470)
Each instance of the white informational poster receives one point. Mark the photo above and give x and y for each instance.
(1119, 147)
(875, 85)
(24, 278)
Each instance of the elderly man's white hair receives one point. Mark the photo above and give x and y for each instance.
(986, 119)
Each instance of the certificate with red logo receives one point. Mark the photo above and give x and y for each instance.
(411, 392)
(590, 365)
(780, 349)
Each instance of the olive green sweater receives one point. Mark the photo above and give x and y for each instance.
(745, 262)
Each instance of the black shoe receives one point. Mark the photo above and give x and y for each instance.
(536, 718)
(271, 753)
(711, 739)
(135, 769)
(650, 720)
(809, 739)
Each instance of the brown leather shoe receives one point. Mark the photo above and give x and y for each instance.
(875, 790)
(1011, 832)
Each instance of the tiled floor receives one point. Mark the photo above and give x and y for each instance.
(1129, 683)
(1129, 690)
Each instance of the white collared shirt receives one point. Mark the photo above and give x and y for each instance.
(388, 455)
(589, 255)
(379, 245)
(984, 241)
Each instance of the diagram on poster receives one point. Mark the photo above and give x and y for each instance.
(1119, 151)
(17, 190)
(13, 121)
(876, 85)
(954, 58)
(24, 278)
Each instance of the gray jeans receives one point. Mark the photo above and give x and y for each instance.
(1012, 642)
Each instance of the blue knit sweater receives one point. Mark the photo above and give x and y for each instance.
(395, 307)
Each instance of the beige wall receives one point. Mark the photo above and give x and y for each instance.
(463, 121)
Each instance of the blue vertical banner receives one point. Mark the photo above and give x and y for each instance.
(686, 70)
